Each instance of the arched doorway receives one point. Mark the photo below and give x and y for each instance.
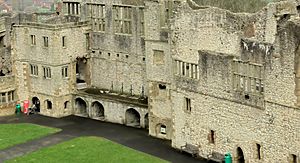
(97, 110)
(80, 107)
(132, 118)
(36, 102)
(146, 120)
(240, 155)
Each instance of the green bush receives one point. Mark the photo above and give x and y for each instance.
(236, 5)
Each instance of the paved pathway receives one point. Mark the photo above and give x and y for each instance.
(73, 126)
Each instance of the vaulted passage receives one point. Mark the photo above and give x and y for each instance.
(97, 110)
(80, 107)
(132, 118)
(240, 155)
(36, 102)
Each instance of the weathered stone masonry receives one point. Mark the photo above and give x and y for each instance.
(205, 78)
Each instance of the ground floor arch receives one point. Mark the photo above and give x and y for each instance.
(132, 118)
(36, 101)
(97, 110)
(81, 107)
(240, 155)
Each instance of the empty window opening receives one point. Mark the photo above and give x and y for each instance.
(81, 70)
(10, 96)
(186, 69)
(64, 41)
(163, 129)
(33, 41)
(64, 72)
(144, 59)
(97, 14)
(71, 8)
(126, 56)
(122, 19)
(47, 72)
(49, 104)
(247, 97)
(188, 106)
(2, 98)
(258, 151)
(34, 70)
(108, 54)
(118, 55)
(162, 86)
(46, 41)
(212, 137)
(132, 118)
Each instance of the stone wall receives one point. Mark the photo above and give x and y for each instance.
(7, 84)
(220, 119)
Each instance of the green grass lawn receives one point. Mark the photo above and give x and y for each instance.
(12, 134)
(88, 150)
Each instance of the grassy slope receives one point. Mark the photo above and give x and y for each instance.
(237, 5)
(12, 134)
(88, 149)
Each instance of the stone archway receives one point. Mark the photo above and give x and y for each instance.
(146, 121)
(37, 103)
(132, 118)
(80, 107)
(97, 110)
(240, 155)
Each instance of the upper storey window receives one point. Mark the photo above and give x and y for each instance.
(97, 14)
(166, 13)
(122, 19)
(71, 8)
(142, 22)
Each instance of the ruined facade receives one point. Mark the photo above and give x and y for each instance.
(209, 80)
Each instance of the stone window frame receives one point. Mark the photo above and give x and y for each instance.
(46, 41)
(187, 104)
(33, 40)
(34, 70)
(258, 151)
(64, 41)
(248, 77)
(186, 69)
(71, 8)
(165, 13)
(122, 18)
(156, 55)
(212, 137)
(142, 21)
(65, 72)
(47, 72)
(97, 14)
(7, 97)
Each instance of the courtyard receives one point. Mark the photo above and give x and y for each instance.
(78, 139)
